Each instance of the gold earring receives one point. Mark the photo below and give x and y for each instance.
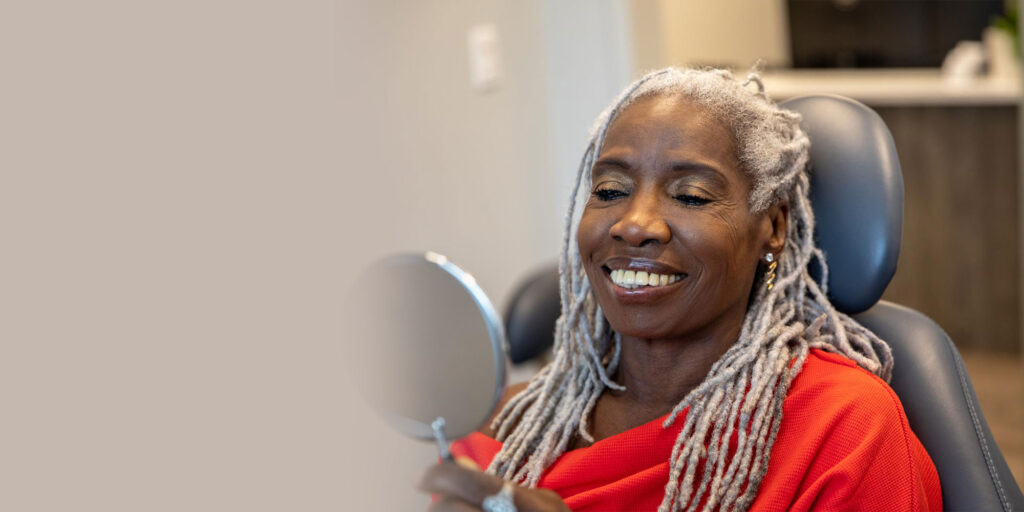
(770, 258)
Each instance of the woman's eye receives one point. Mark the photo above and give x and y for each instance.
(608, 194)
(692, 200)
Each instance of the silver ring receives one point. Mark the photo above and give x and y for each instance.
(500, 501)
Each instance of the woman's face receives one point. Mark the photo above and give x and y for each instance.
(669, 199)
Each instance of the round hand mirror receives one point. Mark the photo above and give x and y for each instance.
(431, 355)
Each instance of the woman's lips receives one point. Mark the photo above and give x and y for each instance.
(640, 265)
(638, 286)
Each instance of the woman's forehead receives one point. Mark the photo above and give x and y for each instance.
(671, 126)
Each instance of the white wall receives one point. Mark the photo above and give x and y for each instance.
(188, 186)
(451, 169)
(588, 64)
(439, 166)
(482, 177)
(171, 257)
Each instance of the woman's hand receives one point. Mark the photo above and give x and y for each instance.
(463, 489)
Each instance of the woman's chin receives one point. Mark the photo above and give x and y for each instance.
(639, 330)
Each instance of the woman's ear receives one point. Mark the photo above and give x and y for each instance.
(778, 220)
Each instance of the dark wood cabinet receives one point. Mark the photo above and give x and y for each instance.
(959, 260)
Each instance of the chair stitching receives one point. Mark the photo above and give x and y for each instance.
(960, 371)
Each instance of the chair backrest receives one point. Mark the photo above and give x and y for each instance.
(531, 314)
(857, 196)
(943, 410)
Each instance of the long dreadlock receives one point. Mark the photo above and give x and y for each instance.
(744, 391)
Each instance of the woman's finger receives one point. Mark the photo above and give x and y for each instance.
(450, 479)
(467, 462)
(450, 504)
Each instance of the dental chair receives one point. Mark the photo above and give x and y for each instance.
(857, 195)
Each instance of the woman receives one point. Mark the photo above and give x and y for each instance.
(697, 365)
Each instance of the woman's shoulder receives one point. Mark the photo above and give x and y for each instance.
(835, 403)
(834, 393)
(838, 379)
(845, 443)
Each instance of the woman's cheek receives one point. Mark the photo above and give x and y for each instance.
(587, 234)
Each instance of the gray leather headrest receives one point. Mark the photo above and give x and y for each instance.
(857, 196)
(531, 314)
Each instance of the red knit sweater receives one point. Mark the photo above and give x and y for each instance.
(844, 444)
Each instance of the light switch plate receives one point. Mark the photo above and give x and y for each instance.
(485, 68)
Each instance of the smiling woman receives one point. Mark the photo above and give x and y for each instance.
(697, 366)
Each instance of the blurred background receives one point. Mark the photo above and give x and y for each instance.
(188, 186)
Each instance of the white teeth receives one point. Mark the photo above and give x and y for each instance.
(635, 279)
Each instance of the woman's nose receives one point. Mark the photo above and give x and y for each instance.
(642, 223)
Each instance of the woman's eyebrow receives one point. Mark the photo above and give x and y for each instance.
(699, 168)
(611, 161)
(691, 166)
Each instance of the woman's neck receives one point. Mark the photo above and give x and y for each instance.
(659, 373)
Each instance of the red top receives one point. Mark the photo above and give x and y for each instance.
(844, 444)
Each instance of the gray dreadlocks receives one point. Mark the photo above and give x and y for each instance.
(744, 391)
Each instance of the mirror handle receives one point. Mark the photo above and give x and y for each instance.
(442, 441)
